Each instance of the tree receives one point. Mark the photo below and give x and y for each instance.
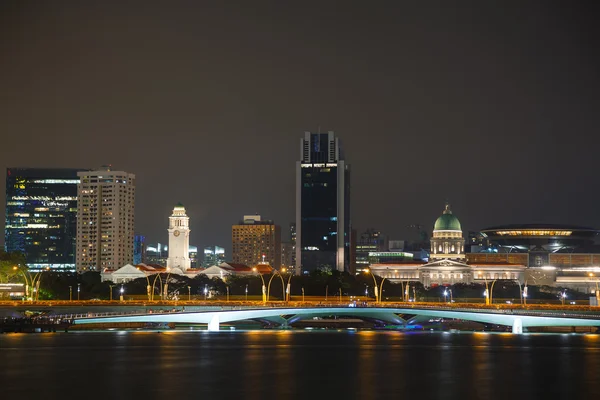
(7, 263)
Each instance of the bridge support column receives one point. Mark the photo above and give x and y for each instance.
(517, 326)
(213, 325)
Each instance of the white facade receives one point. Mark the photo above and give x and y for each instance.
(447, 265)
(105, 219)
(448, 272)
(216, 271)
(179, 239)
(447, 242)
(124, 274)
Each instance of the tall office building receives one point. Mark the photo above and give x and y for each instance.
(322, 204)
(41, 215)
(293, 241)
(286, 254)
(156, 255)
(370, 241)
(255, 240)
(105, 219)
(214, 255)
(139, 249)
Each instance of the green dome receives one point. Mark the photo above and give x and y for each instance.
(447, 221)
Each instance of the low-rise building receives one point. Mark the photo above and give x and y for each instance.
(11, 291)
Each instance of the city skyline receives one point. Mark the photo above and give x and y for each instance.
(502, 125)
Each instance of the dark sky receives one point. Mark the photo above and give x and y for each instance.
(492, 105)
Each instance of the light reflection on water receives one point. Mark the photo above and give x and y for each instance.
(300, 365)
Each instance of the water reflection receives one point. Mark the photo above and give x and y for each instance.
(366, 368)
(300, 365)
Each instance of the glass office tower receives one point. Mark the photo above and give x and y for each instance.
(41, 216)
(322, 204)
(214, 255)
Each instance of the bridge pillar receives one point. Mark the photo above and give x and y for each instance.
(213, 324)
(517, 326)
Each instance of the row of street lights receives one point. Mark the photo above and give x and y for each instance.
(78, 292)
(488, 292)
(379, 290)
(32, 282)
(32, 285)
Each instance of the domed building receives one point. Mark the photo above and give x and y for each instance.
(447, 241)
(447, 261)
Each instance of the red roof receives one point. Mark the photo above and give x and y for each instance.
(263, 268)
(236, 267)
(150, 268)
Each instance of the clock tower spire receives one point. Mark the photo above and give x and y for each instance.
(179, 239)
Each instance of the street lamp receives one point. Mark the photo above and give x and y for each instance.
(16, 268)
(597, 292)
(521, 292)
(147, 281)
(189, 293)
(445, 295)
(381, 290)
(246, 292)
(122, 291)
(489, 299)
(227, 287)
(303, 294)
(39, 280)
(205, 291)
(288, 287)
(563, 296)
(166, 286)
(78, 290)
(32, 282)
(275, 273)
(368, 271)
(70, 293)
(264, 288)
(159, 287)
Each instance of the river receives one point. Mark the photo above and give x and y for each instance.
(298, 364)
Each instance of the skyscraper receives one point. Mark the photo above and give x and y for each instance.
(370, 241)
(41, 215)
(293, 241)
(255, 240)
(139, 249)
(105, 219)
(213, 256)
(322, 204)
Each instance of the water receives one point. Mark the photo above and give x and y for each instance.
(298, 365)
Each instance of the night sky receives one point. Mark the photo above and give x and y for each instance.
(491, 105)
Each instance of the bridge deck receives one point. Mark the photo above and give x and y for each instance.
(508, 317)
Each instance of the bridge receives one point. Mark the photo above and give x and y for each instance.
(517, 319)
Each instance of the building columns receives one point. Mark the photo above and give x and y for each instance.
(517, 327)
(213, 324)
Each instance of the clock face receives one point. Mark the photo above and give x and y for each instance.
(176, 233)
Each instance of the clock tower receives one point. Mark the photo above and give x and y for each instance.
(179, 239)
